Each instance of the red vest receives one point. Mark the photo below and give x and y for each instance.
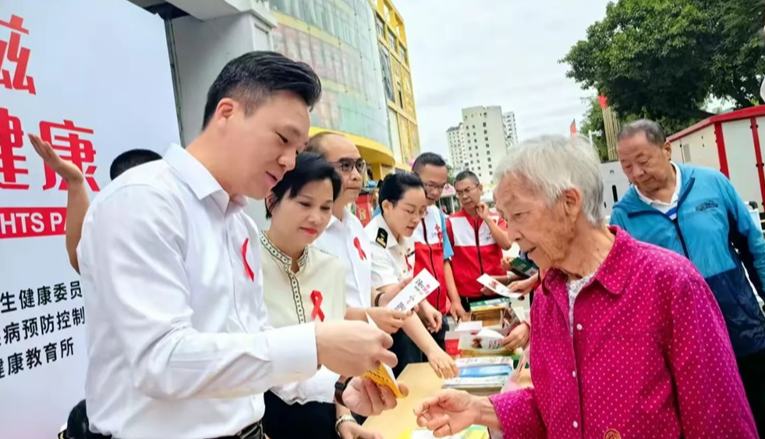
(475, 251)
(429, 255)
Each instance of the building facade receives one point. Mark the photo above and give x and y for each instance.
(479, 141)
(397, 81)
(511, 130)
(338, 39)
(456, 140)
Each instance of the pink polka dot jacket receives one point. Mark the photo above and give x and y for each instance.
(649, 357)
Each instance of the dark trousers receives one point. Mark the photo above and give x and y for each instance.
(407, 352)
(288, 421)
(440, 335)
(752, 370)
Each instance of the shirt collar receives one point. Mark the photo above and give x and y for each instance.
(675, 195)
(199, 178)
(381, 224)
(611, 273)
(282, 258)
(335, 222)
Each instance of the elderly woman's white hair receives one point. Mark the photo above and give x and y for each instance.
(552, 164)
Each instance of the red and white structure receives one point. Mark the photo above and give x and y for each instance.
(731, 142)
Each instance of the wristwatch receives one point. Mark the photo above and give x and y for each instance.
(340, 385)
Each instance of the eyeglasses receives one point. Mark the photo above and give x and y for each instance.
(466, 191)
(434, 187)
(346, 166)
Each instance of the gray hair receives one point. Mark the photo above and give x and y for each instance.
(552, 164)
(653, 131)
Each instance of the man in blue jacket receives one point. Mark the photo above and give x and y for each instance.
(695, 211)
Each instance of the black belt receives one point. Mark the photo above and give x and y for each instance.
(253, 431)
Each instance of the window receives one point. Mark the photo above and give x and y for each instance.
(380, 27)
(391, 40)
(484, 124)
(484, 131)
(486, 139)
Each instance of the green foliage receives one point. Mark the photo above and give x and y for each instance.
(661, 59)
(593, 121)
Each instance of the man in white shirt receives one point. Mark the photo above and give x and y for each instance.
(344, 237)
(178, 340)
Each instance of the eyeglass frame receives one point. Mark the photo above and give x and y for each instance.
(434, 187)
(359, 164)
(466, 191)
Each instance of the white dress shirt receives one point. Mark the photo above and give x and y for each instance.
(289, 302)
(347, 241)
(178, 343)
(669, 209)
(392, 260)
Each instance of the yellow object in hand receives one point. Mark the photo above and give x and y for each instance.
(383, 376)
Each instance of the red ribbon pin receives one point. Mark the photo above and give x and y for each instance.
(317, 298)
(357, 244)
(247, 269)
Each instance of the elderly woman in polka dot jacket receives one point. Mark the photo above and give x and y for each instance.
(627, 340)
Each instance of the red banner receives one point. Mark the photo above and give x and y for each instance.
(30, 222)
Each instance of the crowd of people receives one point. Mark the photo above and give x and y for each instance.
(202, 326)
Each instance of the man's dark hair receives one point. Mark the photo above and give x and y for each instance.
(653, 131)
(466, 174)
(309, 167)
(255, 76)
(395, 185)
(428, 158)
(130, 159)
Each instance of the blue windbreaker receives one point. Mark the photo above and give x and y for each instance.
(715, 231)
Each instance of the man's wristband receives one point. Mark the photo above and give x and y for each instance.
(340, 385)
(376, 301)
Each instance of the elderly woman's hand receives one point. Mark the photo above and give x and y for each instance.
(449, 412)
(517, 338)
(524, 286)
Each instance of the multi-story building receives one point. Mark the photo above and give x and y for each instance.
(479, 141)
(511, 130)
(338, 39)
(397, 81)
(456, 140)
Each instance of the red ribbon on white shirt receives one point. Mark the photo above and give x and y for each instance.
(247, 269)
(317, 298)
(357, 244)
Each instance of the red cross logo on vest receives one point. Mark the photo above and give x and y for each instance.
(440, 235)
(316, 299)
(357, 244)
(247, 269)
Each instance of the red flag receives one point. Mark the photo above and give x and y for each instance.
(603, 101)
(572, 127)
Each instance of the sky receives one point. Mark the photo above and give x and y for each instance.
(467, 53)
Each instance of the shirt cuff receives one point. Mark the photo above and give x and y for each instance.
(293, 351)
(516, 411)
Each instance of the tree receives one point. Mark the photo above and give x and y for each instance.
(661, 59)
(593, 121)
